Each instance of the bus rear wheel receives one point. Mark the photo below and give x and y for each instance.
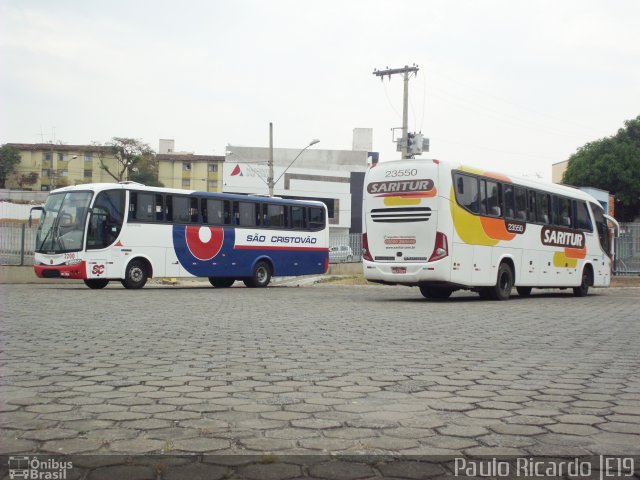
(435, 293)
(96, 283)
(136, 275)
(261, 276)
(221, 282)
(504, 283)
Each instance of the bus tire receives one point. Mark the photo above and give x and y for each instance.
(261, 276)
(135, 276)
(504, 283)
(96, 283)
(583, 289)
(221, 282)
(435, 293)
(524, 291)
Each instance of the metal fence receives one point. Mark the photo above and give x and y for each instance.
(627, 250)
(345, 247)
(17, 242)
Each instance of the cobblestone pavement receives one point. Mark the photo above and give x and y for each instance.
(317, 369)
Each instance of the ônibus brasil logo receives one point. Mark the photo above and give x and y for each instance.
(36, 469)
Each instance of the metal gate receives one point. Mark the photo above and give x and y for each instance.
(627, 250)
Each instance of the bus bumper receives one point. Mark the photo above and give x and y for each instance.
(77, 271)
(408, 273)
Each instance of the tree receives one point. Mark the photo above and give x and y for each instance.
(27, 179)
(613, 164)
(135, 160)
(9, 159)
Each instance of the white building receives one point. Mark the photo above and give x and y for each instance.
(334, 177)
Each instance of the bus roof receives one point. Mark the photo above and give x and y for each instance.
(525, 182)
(97, 187)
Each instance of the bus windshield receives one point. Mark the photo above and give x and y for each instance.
(61, 226)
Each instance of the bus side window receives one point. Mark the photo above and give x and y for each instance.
(133, 203)
(215, 212)
(275, 216)
(168, 208)
(494, 199)
(543, 207)
(509, 201)
(532, 204)
(581, 216)
(145, 207)
(194, 211)
(246, 214)
(467, 192)
(564, 212)
(520, 204)
(483, 197)
(298, 220)
(203, 210)
(159, 208)
(228, 212)
(316, 218)
(601, 227)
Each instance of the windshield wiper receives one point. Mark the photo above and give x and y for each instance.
(45, 237)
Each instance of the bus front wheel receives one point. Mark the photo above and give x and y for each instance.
(136, 275)
(583, 289)
(96, 283)
(221, 282)
(261, 276)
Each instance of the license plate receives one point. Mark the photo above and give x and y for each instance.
(398, 269)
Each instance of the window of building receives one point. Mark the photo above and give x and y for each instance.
(44, 188)
(88, 157)
(60, 157)
(212, 167)
(45, 172)
(46, 156)
(88, 173)
(63, 173)
(186, 183)
(212, 185)
(186, 166)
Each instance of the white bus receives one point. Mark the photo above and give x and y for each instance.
(129, 232)
(445, 227)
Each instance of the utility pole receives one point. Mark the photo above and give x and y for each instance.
(406, 71)
(270, 161)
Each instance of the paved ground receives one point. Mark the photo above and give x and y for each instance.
(317, 369)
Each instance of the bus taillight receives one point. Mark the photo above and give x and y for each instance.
(366, 254)
(441, 248)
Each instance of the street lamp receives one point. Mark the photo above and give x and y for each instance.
(272, 183)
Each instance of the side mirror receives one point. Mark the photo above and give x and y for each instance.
(31, 212)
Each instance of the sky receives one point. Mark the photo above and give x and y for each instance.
(506, 85)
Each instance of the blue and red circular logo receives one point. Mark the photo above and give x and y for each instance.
(204, 243)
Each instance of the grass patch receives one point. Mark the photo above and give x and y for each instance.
(345, 280)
